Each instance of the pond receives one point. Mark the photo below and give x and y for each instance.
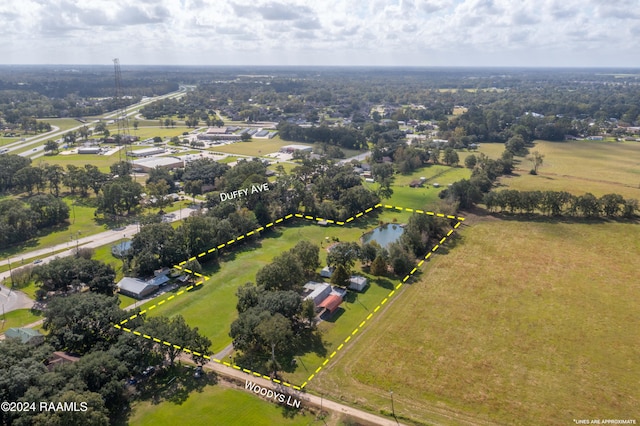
(384, 235)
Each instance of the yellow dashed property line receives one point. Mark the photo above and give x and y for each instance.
(377, 308)
(190, 351)
(250, 233)
(173, 296)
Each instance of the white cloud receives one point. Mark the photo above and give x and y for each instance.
(384, 32)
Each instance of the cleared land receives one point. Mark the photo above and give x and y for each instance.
(579, 167)
(523, 323)
(405, 196)
(257, 147)
(212, 306)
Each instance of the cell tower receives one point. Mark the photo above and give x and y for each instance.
(121, 111)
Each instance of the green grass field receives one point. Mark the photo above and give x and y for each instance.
(101, 161)
(18, 318)
(212, 306)
(81, 220)
(255, 147)
(6, 141)
(578, 167)
(522, 323)
(217, 405)
(405, 196)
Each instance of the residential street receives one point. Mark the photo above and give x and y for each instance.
(18, 300)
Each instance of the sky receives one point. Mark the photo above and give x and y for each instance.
(523, 33)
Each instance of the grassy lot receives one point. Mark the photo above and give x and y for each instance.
(6, 141)
(211, 307)
(255, 147)
(18, 318)
(63, 123)
(405, 196)
(523, 323)
(578, 167)
(145, 132)
(101, 161)
(216, 405)
(81, 221)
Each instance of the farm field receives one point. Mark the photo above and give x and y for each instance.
(523, 323)
(579, 167)
(224, 405)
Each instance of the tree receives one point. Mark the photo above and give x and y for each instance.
(344, 254)
(157, 194)
(401, 261)
(308, 254)
(378, 266)
(179, 333)
(275, 331)
(82, 322)
(451, 157)
(68, 274)
(54, 174)
(516, 145)
(341, 275)
(611, 204)
(51, 146)
(245, 137)
(470, 161)
(284, 273)
(536, 159)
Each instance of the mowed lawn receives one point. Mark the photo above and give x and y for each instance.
(18, 318)
(212, 306)
(257, 147)
(522, 323)
(405, 196)
(216, 405)
(579, 167)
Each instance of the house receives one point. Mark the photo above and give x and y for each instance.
(357, 283)
(326, 272)
(26, 335)
(416, 183)
(316, 291)
(136, 288)
(323, 222)
(60, 358)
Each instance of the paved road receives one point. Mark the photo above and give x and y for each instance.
(359, 157)
(38, 150)
(19, 300)
(307, 399)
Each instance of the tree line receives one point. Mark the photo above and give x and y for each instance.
(21, 221)
(557, 203)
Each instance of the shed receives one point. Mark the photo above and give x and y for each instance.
(136, 288)
(26, 335)
(357, 283)
(326, 272)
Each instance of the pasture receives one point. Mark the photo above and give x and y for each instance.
(578, 167)
(523, 323)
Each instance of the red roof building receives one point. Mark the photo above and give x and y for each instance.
(331, 303)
